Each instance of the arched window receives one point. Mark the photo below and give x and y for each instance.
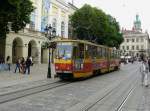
(62, 29)
(54, 24)
(33, 17)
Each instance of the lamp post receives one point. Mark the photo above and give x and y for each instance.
(50, 33)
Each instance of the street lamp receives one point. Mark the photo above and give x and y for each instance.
(49, 33)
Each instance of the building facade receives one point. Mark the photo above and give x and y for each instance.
(29, 41)
(135, 42)
(72, 9)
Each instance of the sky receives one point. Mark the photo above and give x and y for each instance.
(123, 10)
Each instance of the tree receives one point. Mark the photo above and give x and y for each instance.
(14, 15)
(113, 36)
(94, 25)
(82, 29)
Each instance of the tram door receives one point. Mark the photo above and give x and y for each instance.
(78, 56)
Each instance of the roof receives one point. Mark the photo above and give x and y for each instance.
(131, 32)
(80, 41)
(73, 6)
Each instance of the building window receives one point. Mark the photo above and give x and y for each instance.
(132, 40)
(137, 40)
(137, 47)
(142, 46)
(133, 47)
(127, 47)
(127, 40)
(54, 24)
(142, 39)
(123, 47)
(32, 25)
(32, 20)
(62, 29)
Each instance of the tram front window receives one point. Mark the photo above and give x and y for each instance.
(64, 51)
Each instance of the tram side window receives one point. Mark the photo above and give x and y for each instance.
(115, 54)
(112, 54)
(106, 52)
(86, 51)
(99, 52)
(118, 54)
(90, 51)
(94, 51)
(103, 52)
(109, 53)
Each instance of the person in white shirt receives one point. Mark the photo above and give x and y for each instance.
(31, 60)
(144, 72)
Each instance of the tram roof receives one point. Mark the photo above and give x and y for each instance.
(80, 41)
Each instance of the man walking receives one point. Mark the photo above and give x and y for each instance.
(28, 64)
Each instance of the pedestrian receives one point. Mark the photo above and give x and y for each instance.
(28, 64)
(17, 65)
(149, 64)
(3, 64)
(0, 64)
(144, 72)
(31, 60)
(22, 65)
(8, 62)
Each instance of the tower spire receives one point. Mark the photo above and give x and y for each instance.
(137, 24)
(72, 2)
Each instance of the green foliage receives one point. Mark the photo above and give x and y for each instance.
(93, 24)
(14, 15)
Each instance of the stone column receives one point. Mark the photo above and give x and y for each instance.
(39, 54)
(25, 50)
(36, 53)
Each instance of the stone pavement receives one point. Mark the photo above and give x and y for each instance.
(38, 72)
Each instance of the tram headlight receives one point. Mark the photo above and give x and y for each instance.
(68, 68)
(56, 67)
(81, 66)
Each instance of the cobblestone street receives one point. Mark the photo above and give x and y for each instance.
(80, 94)
(38, 72)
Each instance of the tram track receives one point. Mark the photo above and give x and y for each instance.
(125, 99)
(14, 95)
(89, 105)
(119, 106)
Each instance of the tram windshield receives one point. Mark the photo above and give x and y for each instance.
(64, 51)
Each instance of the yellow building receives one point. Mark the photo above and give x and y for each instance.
(29, 41)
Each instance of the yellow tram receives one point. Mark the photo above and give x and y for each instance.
(81, 59)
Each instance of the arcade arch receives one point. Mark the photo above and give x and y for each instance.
(17, 49)
(32, 50)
